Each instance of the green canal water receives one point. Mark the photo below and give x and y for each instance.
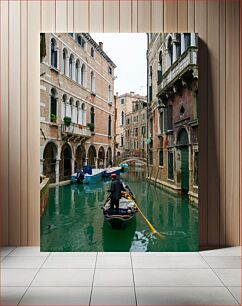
(73, 219)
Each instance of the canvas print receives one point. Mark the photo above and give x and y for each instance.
(119, 142)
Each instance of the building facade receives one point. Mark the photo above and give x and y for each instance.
(136, 129)
(124, 107)
(76, 105)
(172, 111)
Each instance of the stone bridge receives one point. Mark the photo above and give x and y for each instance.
(132, 159)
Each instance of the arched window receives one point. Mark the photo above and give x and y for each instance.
(160, 66)
(178, 45)
(92, 81)
(170, 50)
(109, 126)
(68, 108)
(110, 94)
(92, 115)
(64, 61)
(78, 71)
(83, 108)
(63, 106)
(53, 50)
(71, 70)
(83, 75)
(187, 39)
(73, 112)
(92, 52)
(53, 106)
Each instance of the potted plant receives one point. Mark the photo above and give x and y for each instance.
(53, 118)
(67, 121)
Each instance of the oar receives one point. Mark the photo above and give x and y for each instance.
(154, 231)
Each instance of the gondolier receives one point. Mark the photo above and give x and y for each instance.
(116, 189)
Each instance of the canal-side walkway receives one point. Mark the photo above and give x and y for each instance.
(30, 277)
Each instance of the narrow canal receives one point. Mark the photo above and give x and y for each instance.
(73, 219)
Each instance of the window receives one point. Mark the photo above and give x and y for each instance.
(161, 158)
(63, 106)
(143, 116)
(170, 165)
(170, 50)
(121, 140)
(79, 40)
(143, 130)
(53, 50)
(92, 82)
(64, 61)
(71, 34)
(195, 170)
(128, 121)
(122, 101)
(71, 70)
(83, 75)
(53, 106)
(178, 45)
(122, 118)
(109, 126)
(151, 157)
(161, 123)
(187, 38)
(83, 114)
(159, 72)
(92, 115)
(78, 71)
(109, 94)
(110, 70)
(182, 111)
(92, 52)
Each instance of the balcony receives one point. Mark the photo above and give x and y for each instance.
(187, 62)
(76, 130)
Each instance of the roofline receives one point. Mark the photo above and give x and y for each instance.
(97, 47)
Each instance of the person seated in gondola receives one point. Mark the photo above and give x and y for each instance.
(116, 189)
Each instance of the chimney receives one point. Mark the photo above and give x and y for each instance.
(100, 45)
(132, 93)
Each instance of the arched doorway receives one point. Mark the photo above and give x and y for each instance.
(101, 157)
(49, 156)
(80, 156)
(109, 157)
(65, 163)
(182, 143)
(92, 155)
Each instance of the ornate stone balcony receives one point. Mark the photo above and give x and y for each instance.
(185, 65)
(76, 130)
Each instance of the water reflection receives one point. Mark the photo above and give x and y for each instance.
(73, 220)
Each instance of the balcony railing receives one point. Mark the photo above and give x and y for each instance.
(76, 130)
(187, 61)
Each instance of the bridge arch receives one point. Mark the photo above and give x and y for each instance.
(134, 159)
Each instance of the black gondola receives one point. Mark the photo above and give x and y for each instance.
(126, 213)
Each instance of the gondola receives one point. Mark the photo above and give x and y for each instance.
(124, 216)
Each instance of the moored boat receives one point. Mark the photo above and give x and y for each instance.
(95, 177)
(113, 170)
(126, 213)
